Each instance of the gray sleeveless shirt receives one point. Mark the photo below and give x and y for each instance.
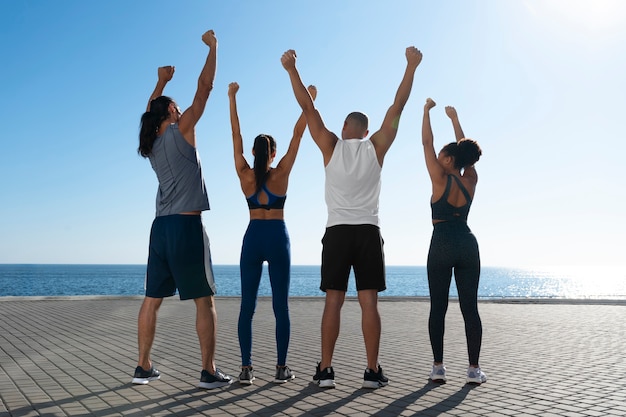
(177, 167)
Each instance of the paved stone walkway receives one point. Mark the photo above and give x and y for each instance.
(75, 356)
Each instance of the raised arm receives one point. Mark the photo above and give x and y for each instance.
(324, 138)
(458, 132)
(190, 117)
(241, 164)
(469, 171)
(435, 170)
(287, 161)
(165, 74)
(384, 137)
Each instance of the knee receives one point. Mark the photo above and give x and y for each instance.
(368, 298)
(470, 313)
(151, 305)
(332, 301)
(205, 303)
(247, 310)
(439, 307)
(282, 316)
(280, 307)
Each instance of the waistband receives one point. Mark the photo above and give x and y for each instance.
(451, 224)
(266, 221)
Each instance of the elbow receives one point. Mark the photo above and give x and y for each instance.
(205, 87)
(308, 109)
(398, 106)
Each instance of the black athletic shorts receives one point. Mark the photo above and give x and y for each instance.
(179, 258)
(358, 246)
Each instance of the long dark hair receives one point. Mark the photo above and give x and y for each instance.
(465, 152)
(264, 147)
(150, 123)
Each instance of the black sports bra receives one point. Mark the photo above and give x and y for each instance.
(443, 210)
(273, 201)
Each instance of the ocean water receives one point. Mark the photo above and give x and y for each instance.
(495, 282)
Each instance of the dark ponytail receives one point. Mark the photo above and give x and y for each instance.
(150, 123)
(465, 152)
(468, 153)
(264, 147)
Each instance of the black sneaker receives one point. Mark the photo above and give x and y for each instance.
(283, 374)
(324, 378)
(246, 377)
(142, 377)
(373, 379)
(209, 381)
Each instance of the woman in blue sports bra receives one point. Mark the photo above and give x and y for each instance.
(266, 238)
(453, 247)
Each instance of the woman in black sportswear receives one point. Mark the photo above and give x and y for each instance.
(453, 247)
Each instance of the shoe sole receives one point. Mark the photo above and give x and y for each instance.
(213, 385)
(144, 381)
(475, 381)
(282, 381)
(246, 381)
(438, 380)
(374, 384)
(326, 383)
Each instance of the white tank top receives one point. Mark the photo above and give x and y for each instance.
(353, 183)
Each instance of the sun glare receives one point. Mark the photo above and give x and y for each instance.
(593, 17)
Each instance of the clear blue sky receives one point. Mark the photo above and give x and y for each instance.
(540, 84)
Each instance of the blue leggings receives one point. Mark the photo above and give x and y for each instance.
(265, 240)
(454, 247)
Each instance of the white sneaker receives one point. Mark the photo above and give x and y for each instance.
(475, 376)
(438, 374)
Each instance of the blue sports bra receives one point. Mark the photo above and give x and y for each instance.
(273, 201)
(443, 210)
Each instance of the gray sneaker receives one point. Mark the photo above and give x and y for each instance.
(283, 374)
(246, 377)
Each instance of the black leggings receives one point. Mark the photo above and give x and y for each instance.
(454, 247)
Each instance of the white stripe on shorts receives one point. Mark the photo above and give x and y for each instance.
(208, 264)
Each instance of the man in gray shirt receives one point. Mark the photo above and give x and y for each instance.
(179, 256)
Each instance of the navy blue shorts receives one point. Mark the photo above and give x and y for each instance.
(179, 258)
(359, 247)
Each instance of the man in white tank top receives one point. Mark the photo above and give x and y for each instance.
(352, 239)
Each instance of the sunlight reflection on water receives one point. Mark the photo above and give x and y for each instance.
(564, 282)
